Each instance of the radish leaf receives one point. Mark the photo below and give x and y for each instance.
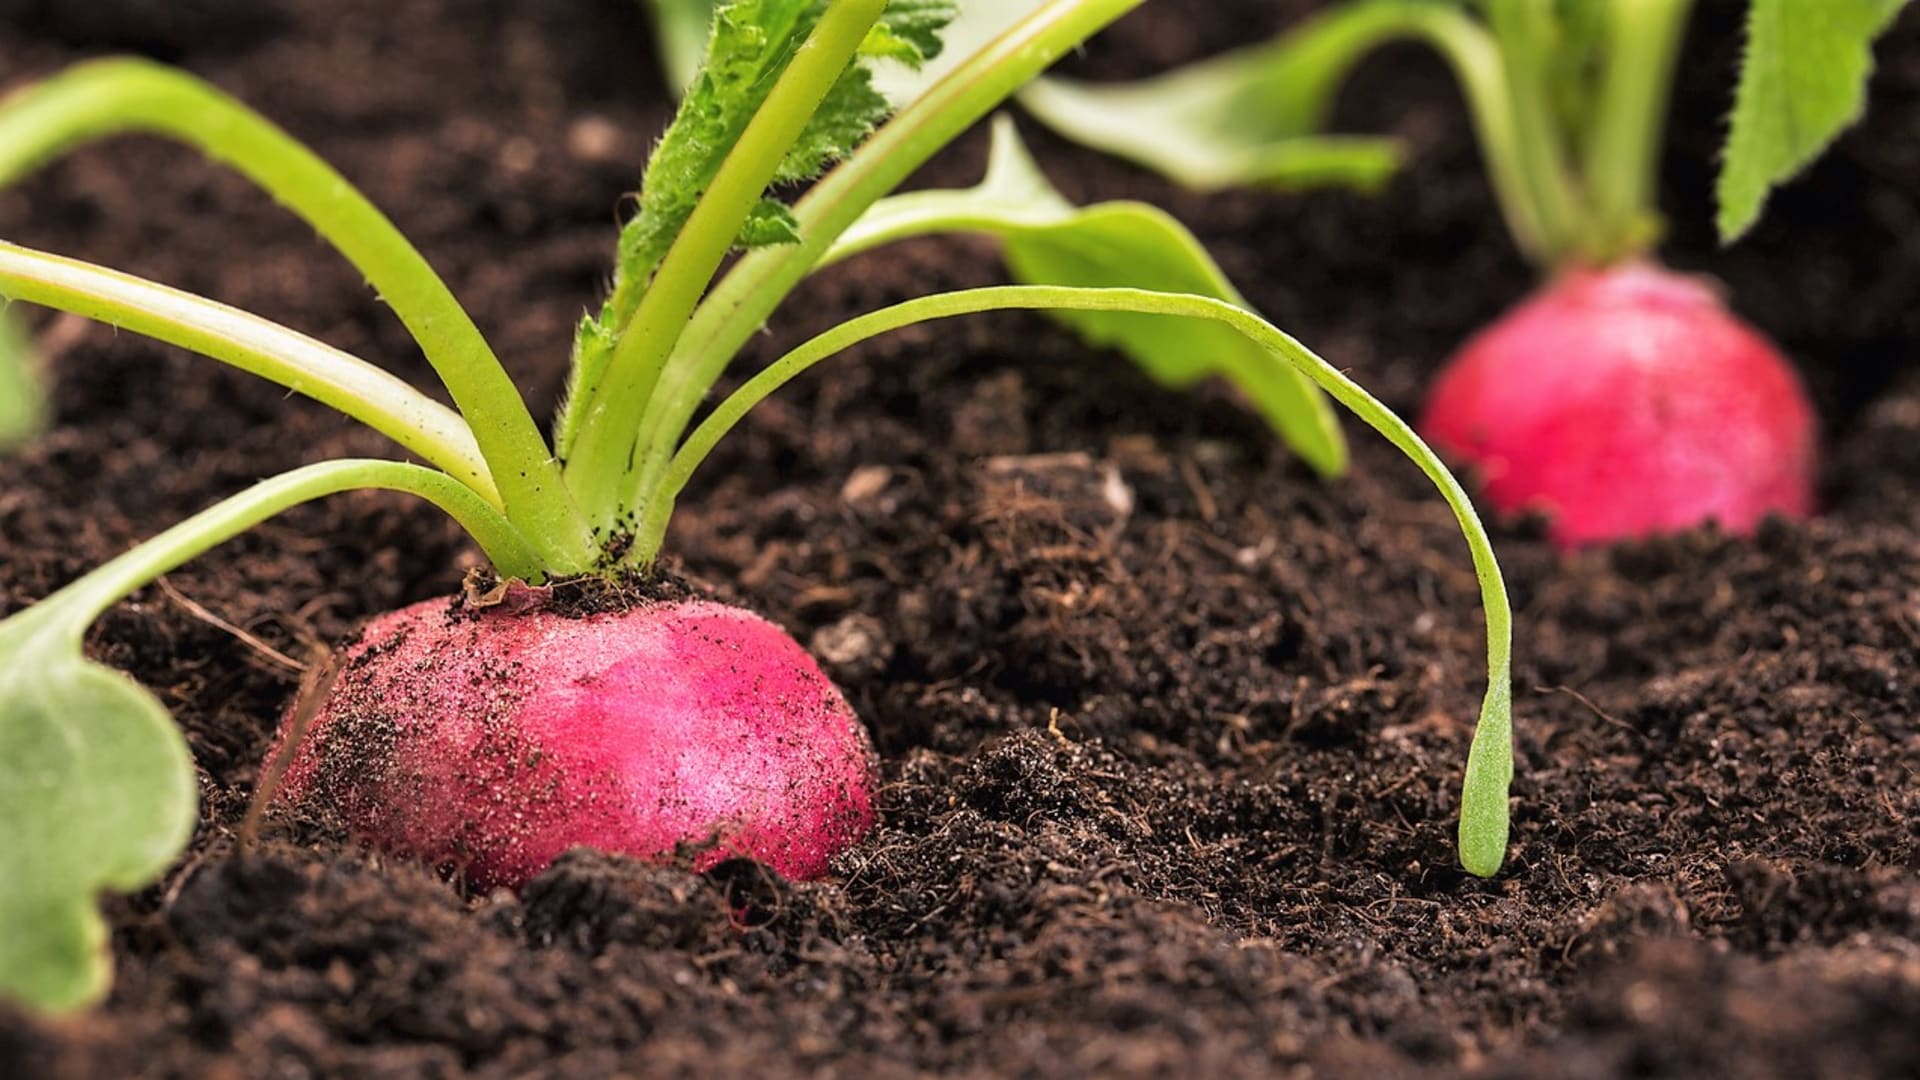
(911, 31)
(98, 793)
(1803, 82)
(976, 24)
(1049, 241)
(1246, 118)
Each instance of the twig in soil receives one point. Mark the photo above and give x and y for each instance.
(1591, 707)
(1202, 494)
(193, 608)
(314, 690)
(1053, 728)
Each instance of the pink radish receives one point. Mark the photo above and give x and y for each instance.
(494, 740)
(1620, 400)
(1624, 402)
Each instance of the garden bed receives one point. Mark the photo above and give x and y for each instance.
(1171, 730)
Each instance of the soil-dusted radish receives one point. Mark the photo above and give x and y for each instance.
(492, 732)
(494, 738)
(1620, 399)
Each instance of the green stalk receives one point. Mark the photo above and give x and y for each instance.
(1525, 33)
(1622, 158)
(103, 98)
(23, 398)
(1483, 813)
(253, 344)
(603, 452)
(740, 304)
(76, 606)
(1475, 58)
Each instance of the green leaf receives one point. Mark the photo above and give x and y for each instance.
(1049, 241)
(752, 42)
(770, 222)
(23, 406)
(911, 31)
(1803, 82)
(1246, 118)
(844, 120)
(97, 793)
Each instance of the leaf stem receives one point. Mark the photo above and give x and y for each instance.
(109, 97)
(1526, 37)
(253, 344)
(604, 450)
(1483, 814)
(740, 304)
(1622, 157)
(76, 606)
(23, 398)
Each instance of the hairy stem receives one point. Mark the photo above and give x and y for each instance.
(611, 418)
(740, 304)
(110, 97)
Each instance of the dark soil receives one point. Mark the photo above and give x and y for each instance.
(1169, 777)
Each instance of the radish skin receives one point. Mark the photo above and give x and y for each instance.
(1627, 402)
(492, 741)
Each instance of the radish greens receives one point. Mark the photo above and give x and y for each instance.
(1567, 101)
(1048, 241)
(96, 788)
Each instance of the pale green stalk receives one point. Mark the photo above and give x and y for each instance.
(253, 344)
(111, 97)
(1622, 158)
(1524, 30)
(740, 304)
(75, 607)
(603, 452)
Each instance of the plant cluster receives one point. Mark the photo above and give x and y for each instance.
(97, 789)
(1621, 399)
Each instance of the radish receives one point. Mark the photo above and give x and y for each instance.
(494, 739)
(1620, 399)
(1627, 401)
(492, 733)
